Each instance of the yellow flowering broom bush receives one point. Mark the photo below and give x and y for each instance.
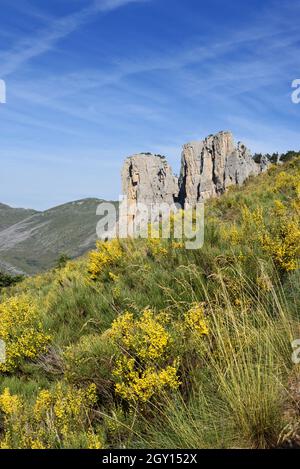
(236, 233)
(22, 331)
(280, 238)
(194, 320)
(286, 182)
(156, 247)
(106, 254)
(58, 418)
(252, 222)
(232, 234)
(144, 366)
(282, 242)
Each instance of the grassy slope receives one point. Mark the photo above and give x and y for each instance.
(235, 389)
(8, 217)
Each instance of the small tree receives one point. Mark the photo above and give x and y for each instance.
(62, 261)
(7, 280)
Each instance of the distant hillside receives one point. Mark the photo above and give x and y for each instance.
(9, 216)
(32, 241)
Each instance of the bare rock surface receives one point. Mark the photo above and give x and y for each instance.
(210, 166)
(148, 179)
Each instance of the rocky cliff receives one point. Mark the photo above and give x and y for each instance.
(208, 168)
(148, 179)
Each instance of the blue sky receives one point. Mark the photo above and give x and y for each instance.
(90, 82)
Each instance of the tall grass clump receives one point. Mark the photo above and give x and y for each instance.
(240, 384)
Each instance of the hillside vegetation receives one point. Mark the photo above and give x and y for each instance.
(143, 343)
(10, 216)
(31, 242)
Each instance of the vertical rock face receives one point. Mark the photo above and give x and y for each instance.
(209, 167)
(148, 179)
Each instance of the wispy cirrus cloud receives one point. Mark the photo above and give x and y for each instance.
(31, 47)
(192, 71)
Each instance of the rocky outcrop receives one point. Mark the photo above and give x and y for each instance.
(265, 163)
(208, 169)
(148, 179)
(210, 166)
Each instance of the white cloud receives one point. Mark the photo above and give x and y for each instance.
(108, 5)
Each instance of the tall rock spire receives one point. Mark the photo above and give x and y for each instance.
(210, 166)
(149, 179)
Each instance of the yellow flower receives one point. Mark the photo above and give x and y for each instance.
(10, 404)
(21, 330)
(94, 441)
(178, 245)
(156, 247)
(285, 181)
(142, 386)
(282, 243)
(195, 320)
(107, 253)
(53, 420)
(147, 336)
(113, 276)
(231, 233)
(142, 368)
(279, 208)
(42, 403)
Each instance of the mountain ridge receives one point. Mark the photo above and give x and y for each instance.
(10, 215)
(31, 241)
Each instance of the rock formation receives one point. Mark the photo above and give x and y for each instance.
(148, 179)
(210, 166)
